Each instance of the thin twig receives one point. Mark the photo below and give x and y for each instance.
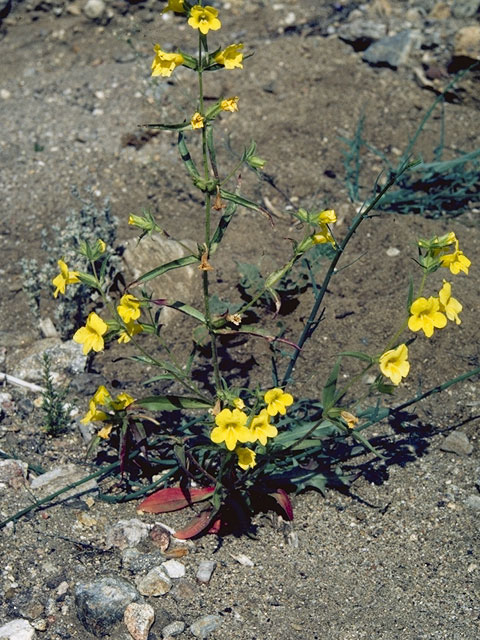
(5, 377)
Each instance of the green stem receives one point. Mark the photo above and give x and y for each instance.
(202, 45)
(312, 318)
(437, 389)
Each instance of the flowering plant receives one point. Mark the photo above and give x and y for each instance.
(246, 446)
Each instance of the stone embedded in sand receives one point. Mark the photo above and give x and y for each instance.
(126, 533)
(155, 583)
(173, 568)
(101, 604)
(138, 619)
(205, 570)
(467, 43)
(457, 442)
(202, 627)
(18, 629)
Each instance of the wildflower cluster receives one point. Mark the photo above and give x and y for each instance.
(428, 314)
(112, 412)
(236, 426)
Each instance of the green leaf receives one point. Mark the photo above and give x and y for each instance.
(361, 438)
(172, 403)
(160, 378)
(244, 202)
(287, 439)
(86, 278)
(179, 451)
(168, 266)
(328, 393)
(222, 226)
(186, 157)
(188, 310)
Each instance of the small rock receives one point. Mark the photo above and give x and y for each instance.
(5, 93)
(134, 560)
(101, 604)
(441, 11)
(205, 570)
(126, 533)
(138, 619)
(94, 9)
(205, 625)
(457, 442)
(66, 360)
(392, 51)
(466, 44)
(392, 252)
(160, 536)
(13, 473)
(473, 502)
(18, 629)
(465, 8)
(361, 33)
(173, 568)
(242, 559)
(60, 477)
(175, 628)
(155, 583)
(40, 625)
(47, 328)
(185, 590)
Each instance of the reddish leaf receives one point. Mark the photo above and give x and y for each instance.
(282, 499)
(216, 525)
(173, 499)
(197, 525)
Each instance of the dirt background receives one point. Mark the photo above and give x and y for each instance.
(398, 558)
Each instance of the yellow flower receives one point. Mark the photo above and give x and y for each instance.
(326, 217)
(456, 261)
(231, 57)
(323, 236)
(93, 414)
(105, 432)
(132, 328)
(450, 306)
(129, 308)
(101, 245)
(230, 428)
(174, 5)
(426, 315)
(204, 19)
(197, 121)
(64, 277)
(101, 395)
(122, 401)
(394, 364)
(91, 334)
(246, 457)
(238, 403)
(349, 418)
(165, 63)
(229, 104)
(277, 401)
(261, 429)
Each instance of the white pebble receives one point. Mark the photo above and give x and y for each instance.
(205, 570)
(392, 252)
